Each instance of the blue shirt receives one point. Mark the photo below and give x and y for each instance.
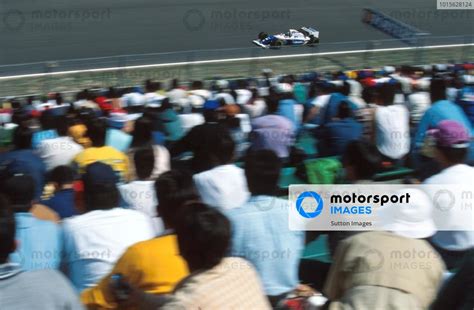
(42, 135)
(441, 110)
(339, 133)
(332, 108)
(39, 243)
(261, 235)
(25, 161)
(62, 203)
(286, 108)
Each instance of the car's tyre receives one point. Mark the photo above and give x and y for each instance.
(276, 44)
(262, 35)
(313, 40)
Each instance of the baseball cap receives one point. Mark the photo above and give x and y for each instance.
(413, 219)
(211, 105)
(450, 134)
(98, 175)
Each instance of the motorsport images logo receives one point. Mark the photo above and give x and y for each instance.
(315, 200)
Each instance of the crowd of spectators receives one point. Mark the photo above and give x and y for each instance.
(153, 197)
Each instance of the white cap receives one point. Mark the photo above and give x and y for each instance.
(413, 219)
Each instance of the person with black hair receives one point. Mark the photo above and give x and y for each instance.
(62, 200)
(155, 265)
(61, 150)
(451, 146)
(252, 231)
(96, 131)
(23, 160)
(334, 137)
(361, 161)
(391, 125)
(223, 185)
(48, 289)
(95, 240)
(216, 281)
(441, 109)
(40, 242)
(140, 194)
(143, 133)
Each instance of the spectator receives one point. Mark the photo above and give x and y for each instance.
(139, 194)
(273, 132)
(255, 107)
(361, 161)
(62, 200)
(171, 124)
(456, 293)
(216, 282)
(368, 272)
(334, 137)
(198, 95)
(96, 131)
(441, 109)
(47, 289)
(23, 160)
(391, 125)
(47, 131)
(61, 150)
(224, 185)
(40, 242)
(253, 232)
(153, 265)
(418, 101)
(143, 137)
(95, 240)
(451, 147)
(287, 103)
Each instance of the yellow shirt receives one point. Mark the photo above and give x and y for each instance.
(107, 155)
(154, 266)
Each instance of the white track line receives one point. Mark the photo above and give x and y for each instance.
(230, 60)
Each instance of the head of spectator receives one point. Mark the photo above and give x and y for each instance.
(20, 191)
(452, 143)
(345, 88)
(195, 85)
(62, 125)
(361, 161)
(100, 190)
(142, 132)
(437, 89)
(344, 110)
(174, 84)
(262, 170)
(96, 131)
(201, 227)
(47, 120)
(385, 94)
(272, 105)
(173, 189)
(412, 219)
(144, 159)
(7, 231)
(210, 111)
(22, 137)
(221, 147)
(62, 177)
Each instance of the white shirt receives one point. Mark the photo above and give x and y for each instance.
(223, 186)
(321, 101)
(392, 130)
(454, 240)
(418, 103)
(141, 196)
(58, 151)
(94, 241)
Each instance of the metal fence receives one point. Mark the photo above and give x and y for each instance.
(126, 70)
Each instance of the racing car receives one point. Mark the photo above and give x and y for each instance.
(302, 36)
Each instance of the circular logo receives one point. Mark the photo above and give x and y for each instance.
(444, 200)
(13, 20)
(372, 260)
(318, 201)
(194, 20)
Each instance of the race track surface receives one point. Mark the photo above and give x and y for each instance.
(46, 30)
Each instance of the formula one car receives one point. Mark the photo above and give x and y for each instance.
(302, 36)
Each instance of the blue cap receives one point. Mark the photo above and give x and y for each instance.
(98, 174)
(211, 105)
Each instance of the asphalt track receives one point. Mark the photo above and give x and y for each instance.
(50, 30)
